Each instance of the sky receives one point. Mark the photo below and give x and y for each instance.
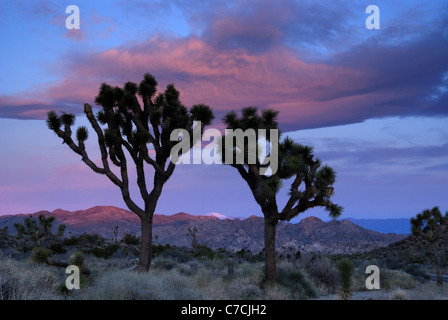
(372, 103)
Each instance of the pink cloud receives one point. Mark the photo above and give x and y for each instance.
(308, 94)
(74, 34)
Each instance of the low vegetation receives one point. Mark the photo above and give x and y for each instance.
(109, 271)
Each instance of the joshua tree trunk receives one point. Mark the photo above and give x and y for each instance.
(145, 256)
(269, 240)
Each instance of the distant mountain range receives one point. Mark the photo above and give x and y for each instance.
(215, 231)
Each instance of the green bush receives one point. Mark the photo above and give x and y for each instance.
(417, 272)
(58, 248)
(323, 272)
(297, 283)
(106, 252)
(130, 239)
(158, 249)
(345, 267)
(73, 241)
(201, 251)
(77, 259)
(176, 254)
(40, 255)
(163, 264)
(92, 238)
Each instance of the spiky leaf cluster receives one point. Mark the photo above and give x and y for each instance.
(429, 223)
(312, 183)
(134, 122)
(37, 229)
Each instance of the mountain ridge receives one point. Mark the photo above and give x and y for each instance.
(310, 234)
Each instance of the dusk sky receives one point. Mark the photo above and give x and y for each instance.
(372, 103)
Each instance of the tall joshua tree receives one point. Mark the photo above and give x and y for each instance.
(311, 182)
(430, 225)
(129, 132)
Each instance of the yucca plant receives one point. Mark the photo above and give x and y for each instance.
(345, 269)
(41, 255)
(77, 258)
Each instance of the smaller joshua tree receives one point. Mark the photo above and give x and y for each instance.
(429, 226)
(115, 233)
(194, 240)
(38, 232)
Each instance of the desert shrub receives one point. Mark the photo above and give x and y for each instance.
(130, 239)
(58, 248)
(161, 263)
(399, 294)
(154, 285)
(323, 273)
(77, 258)
(92, 238)
(244, 254)
(105, 252)
(158, 249)
(397, 279)
(24, 280)
(202, 251)
(72, 241)
(299, 286)
(345, 268)
(189, 269)
(40, 255)
(417, 272)
(176, 254)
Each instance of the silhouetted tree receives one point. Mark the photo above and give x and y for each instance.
(194, 241)
(125, 129)
(39, 229)
(311, 183)
(430, 225)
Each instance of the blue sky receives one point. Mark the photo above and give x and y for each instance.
(373, 103)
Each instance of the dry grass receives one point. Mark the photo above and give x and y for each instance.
(24, 280)
(200, 279)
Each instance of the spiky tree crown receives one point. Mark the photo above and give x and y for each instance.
(429, 223)
(124, 125)
(313, 183)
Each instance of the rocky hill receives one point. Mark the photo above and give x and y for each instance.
(409, 250)
(310, 234)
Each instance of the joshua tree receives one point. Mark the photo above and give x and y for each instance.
(128, 131)
(430, 225)
(38, 232)
(116, 233)
(311, 183)
(194, 240)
